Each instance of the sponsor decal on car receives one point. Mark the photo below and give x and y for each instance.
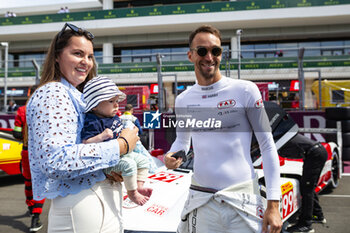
(157, 209)
(6, 146)
(287, 199)
(165, 177)
(128, 204)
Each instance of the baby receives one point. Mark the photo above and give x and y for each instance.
(101, 124)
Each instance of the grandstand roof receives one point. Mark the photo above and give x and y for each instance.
(32, 7)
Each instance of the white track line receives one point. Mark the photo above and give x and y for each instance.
(342, 196)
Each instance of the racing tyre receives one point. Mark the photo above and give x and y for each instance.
(345, 126)
(335, 170)
(330, 124)
(346, 139)
(346, 154)
(338, 113)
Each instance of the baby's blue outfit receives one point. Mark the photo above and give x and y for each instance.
(139, 158)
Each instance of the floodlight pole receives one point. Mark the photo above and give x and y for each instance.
(6, 45)
(160, 82)
(37, 71)
(238, 33)
(301, 78)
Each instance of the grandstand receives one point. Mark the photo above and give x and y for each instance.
(130, 34)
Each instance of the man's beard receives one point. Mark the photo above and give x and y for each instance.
(209, 75)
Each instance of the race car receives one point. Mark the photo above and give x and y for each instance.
(10, 153)
(170, 187)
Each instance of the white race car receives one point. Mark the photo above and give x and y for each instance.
(161, 213)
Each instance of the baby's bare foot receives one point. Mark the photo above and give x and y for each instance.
(137, 197)
(145, 191)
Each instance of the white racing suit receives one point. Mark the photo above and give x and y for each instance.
(238, 208)
(220, 120)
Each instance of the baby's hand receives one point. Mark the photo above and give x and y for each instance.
(107, 134)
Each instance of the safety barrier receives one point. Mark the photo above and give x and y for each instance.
(179, 66)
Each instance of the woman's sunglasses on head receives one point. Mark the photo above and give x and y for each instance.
(74, 29)
(202, 51)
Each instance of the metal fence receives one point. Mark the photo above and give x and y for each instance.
(278, 66)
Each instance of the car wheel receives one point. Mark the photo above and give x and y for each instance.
(337, 113)
(335, 170)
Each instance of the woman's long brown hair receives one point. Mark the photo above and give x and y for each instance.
(51, 70)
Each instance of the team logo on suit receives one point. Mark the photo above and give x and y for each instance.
(226, 104)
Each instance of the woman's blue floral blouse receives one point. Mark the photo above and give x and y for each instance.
(60, 164)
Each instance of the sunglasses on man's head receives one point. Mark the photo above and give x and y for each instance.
(74, 29)
(202, 51)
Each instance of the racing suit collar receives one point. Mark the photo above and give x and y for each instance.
(215, 86)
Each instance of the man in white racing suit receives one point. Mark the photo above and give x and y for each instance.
(220, 114)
